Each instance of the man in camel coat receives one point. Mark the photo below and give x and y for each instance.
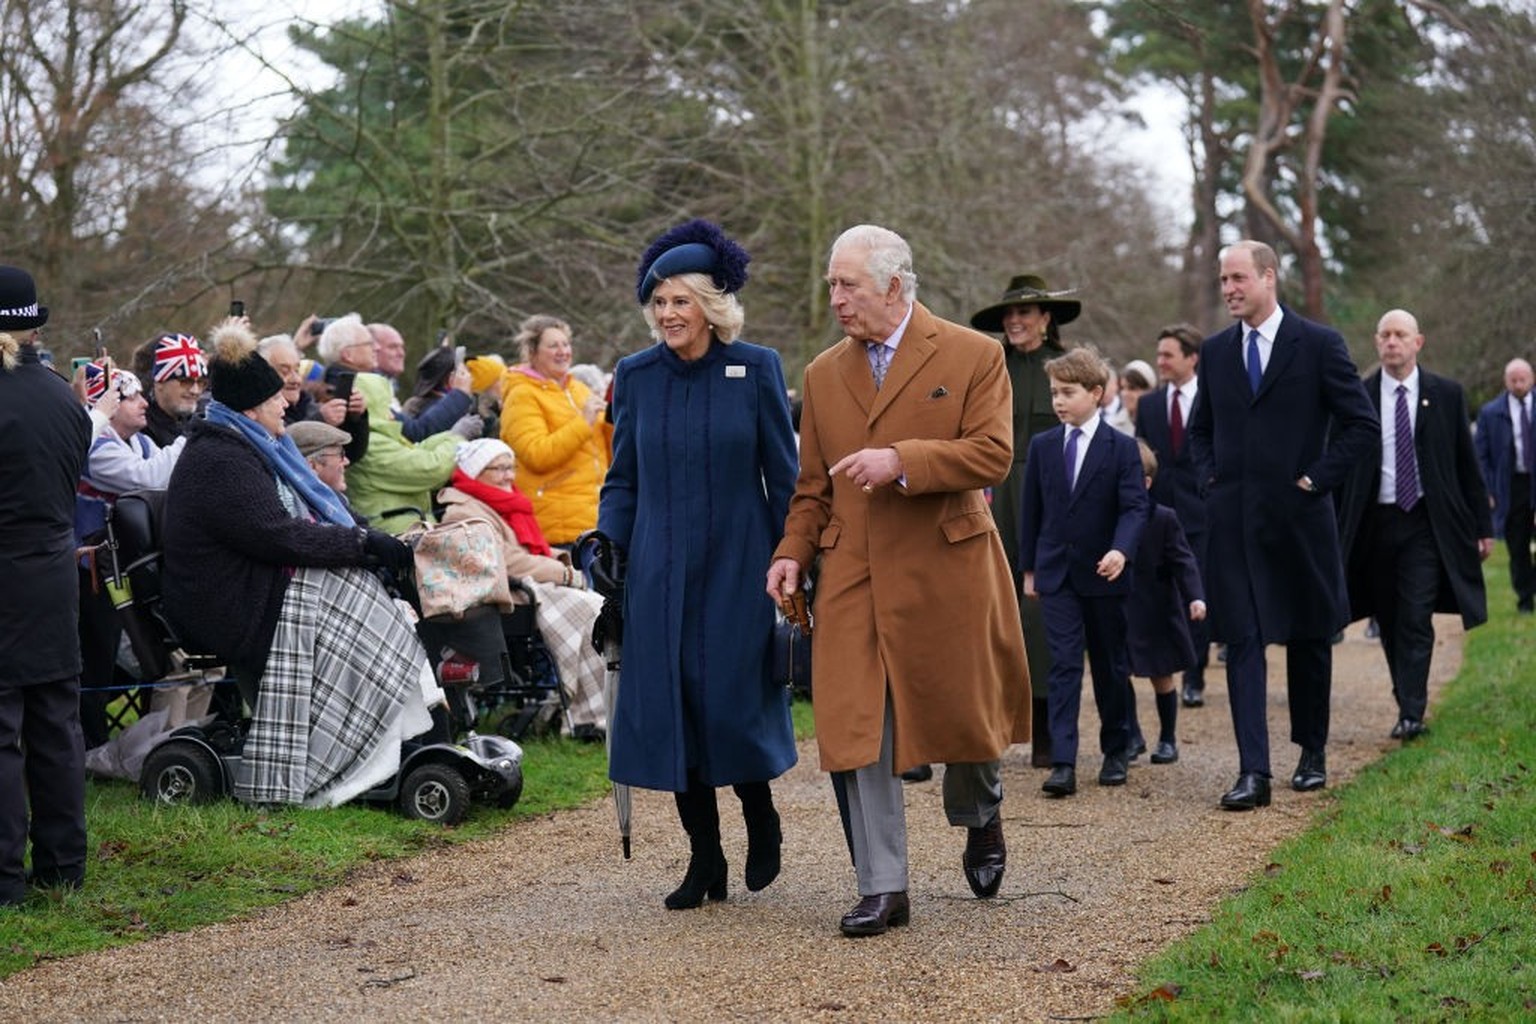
(917, 651)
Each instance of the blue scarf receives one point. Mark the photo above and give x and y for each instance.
(283, 456)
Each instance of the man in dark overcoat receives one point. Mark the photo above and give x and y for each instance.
(1506, 451)
(1162, 420)
(1415, 522)
(1281, 422)
(44, 431)
(918, 653)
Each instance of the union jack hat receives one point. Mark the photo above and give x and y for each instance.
(96, 382)
(179, 355)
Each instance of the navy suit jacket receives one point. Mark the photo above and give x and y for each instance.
(1271, 545)
(1177, 483)
(1062, 536)
(1495, 446)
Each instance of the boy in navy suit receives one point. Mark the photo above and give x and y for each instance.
(1084, 506)
(1165, 598)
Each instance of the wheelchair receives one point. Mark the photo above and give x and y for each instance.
(437, 781)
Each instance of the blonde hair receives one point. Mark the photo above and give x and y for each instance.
(1082, 366)
(531, 332)
(9, 346)
(722, 310)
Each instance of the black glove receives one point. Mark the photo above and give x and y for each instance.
(600, 556)
(390, 551)
(609, 625)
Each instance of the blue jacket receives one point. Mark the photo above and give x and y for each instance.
(1063, 535)
(1495, 443)
(703, 467)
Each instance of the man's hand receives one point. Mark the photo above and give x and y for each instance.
(783, 578)
(1029, 583)
(1484, 548)
(1196, 611)
(333, 411)
(302, 339)
(869, 467)
(357, 403)
(1111, 565)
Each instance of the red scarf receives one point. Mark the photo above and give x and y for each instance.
(513, 506)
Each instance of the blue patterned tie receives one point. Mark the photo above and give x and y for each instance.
(1255, 368)
(1407, 465)
(1077, 432)
(879, 359)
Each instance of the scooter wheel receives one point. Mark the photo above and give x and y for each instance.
(435, 792)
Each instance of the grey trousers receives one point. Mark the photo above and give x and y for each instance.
(877, 812)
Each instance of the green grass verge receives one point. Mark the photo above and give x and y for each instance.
(155, 869)
(1413, 896)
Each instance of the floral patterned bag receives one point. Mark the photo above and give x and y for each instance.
(458, 567)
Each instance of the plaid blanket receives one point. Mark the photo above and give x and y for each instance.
(564, 619)
(342, 687)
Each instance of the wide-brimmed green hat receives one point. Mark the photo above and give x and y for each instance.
(1029, 290)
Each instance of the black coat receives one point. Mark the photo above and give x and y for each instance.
(1454, 495)
(44, 432)
(1157, 613)
(229, 542)
(1269, 541)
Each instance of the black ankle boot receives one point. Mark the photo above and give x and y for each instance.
(705, 877)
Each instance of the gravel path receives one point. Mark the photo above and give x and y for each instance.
(547, 922)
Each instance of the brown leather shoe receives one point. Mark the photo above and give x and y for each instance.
(985, 857)
(872, 915)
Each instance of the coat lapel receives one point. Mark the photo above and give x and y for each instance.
(853, 366)
(1281, 352)
(1093, 461)
(916, 348)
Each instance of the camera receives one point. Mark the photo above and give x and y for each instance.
(236, 308)
(318, 325)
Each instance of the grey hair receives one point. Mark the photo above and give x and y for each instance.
(722, 310)
(272, 341)
(889, 256)
(338, 334)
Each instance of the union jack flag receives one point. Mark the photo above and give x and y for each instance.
(179, 355)
(96, 382)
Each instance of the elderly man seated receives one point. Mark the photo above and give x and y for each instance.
(393, 483)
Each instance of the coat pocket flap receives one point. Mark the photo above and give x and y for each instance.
(968, 525)
(829, 535)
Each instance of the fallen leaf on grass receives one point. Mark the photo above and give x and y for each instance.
(1311, 975)
(1461, 835)
(1271, 869)
(1057, 966)
(1498, 867)
(1435, 948)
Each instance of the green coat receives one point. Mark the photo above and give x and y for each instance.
(395, 473)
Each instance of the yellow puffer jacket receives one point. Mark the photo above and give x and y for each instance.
(561, 458)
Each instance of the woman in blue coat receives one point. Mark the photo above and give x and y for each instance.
(703, 467)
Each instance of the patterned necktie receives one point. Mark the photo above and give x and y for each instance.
(1255, 368)
(1176, 424)
(879, 359)
(1407, 465)
(1525, 434)
(1072, 440)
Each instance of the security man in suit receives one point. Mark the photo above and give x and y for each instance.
(1281, 422)
(918, 652)
(1507, 455)
(1415, 523)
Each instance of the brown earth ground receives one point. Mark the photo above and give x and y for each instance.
(547, 922)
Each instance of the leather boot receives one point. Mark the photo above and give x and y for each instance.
(700, 815)
(764, 835)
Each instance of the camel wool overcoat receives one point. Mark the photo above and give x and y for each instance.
(912, 589)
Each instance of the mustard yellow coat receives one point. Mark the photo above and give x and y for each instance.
(561, 458)
(913, 588)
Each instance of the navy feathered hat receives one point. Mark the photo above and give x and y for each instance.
(697, 247)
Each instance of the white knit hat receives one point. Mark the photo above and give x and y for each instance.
(474, 456)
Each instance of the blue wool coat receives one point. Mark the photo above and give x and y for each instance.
(703, 467)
